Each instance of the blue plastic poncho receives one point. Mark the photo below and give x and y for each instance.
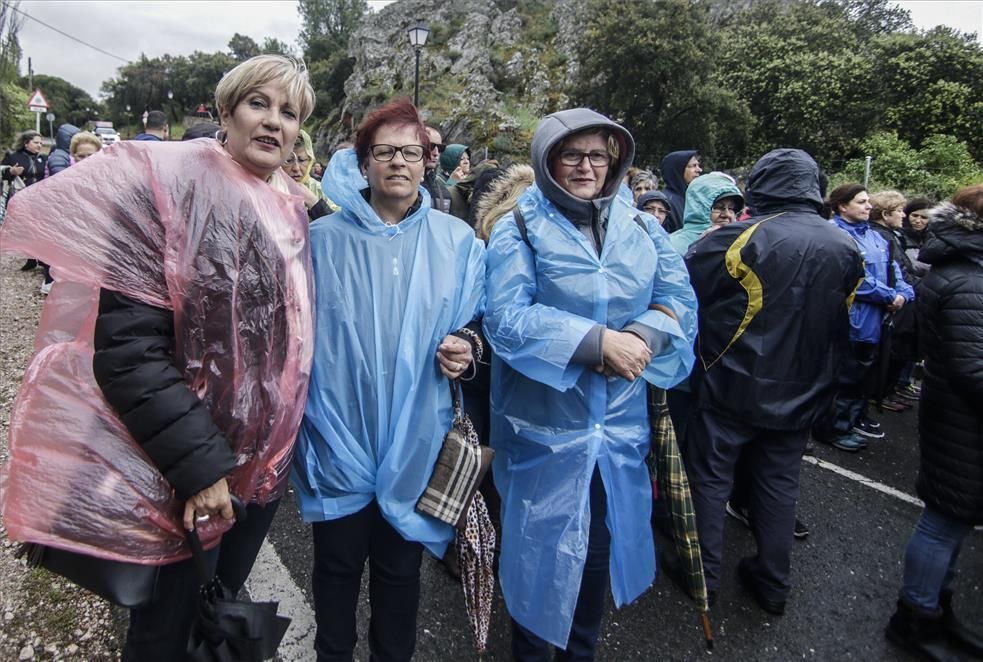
(553, 420)
(378, 407)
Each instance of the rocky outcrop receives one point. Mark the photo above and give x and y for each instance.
(489, 70)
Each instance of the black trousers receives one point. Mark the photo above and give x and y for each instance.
(160, 630)
(853, 389)
(714, 445)
(341, 547)
(587, 615)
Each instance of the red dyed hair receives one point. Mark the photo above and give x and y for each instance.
(400, 112)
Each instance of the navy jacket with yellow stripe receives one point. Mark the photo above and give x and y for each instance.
(774, 294)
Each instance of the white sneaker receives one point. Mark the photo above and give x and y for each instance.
(46, 287)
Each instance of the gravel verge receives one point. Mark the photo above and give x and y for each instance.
(44, 617)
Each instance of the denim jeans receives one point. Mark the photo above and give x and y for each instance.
(340, 549)
(587, 615)
(930, 559)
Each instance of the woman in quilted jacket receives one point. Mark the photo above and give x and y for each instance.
(950, 479)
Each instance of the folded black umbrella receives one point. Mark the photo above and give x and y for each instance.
(230, 630)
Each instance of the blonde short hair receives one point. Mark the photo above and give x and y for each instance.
(883, 202)
(261, 70)
(82, 138)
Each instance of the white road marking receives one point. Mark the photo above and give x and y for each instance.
(863, 480)
(270, 581)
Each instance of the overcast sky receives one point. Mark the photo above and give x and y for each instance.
(127, 29)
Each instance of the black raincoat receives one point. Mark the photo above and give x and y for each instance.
(774, 293)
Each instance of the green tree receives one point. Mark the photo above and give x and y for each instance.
(145, 83)
(802, 71)
(243, 47)
(659, 82)
(326, 28)
(14, 115)
(68, 103)
(275, 46)
(327, 25)
(938, 169)
(930, 83)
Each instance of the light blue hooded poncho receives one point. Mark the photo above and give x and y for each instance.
(701, 193)
(378, 406)
(554, 420)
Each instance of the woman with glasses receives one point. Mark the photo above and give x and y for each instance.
(298, 167)
(712, 201)
(397, 283)
(587, 302)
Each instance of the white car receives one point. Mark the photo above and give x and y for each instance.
(108, 135)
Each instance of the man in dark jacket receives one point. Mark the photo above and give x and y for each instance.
(774, 294)
(59, 158)
(678, 170)
(439, 197)
(950, 426)
(156, 127)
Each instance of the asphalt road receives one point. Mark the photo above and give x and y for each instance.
(845, 576)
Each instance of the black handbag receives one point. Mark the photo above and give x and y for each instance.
(461, 465)
(125, 584)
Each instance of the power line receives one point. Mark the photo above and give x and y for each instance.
(62, 32)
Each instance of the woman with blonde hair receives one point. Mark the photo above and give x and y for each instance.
(84, 145)
(174, 353)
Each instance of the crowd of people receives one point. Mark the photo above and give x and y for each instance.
(243, 317)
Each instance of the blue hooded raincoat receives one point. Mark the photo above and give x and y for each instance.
(378, 406)
(553, 419)
(701, 194)
(874, 293)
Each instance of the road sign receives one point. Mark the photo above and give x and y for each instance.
(50, 117)
(37, 103)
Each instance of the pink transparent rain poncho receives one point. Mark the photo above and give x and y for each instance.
(179, 226)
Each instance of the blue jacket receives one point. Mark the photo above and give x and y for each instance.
(60, 158)
(147, 136)
(554, 418)
(874, 293)
(378, 407)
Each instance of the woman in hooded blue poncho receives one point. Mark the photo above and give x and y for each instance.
(395, 280)
(570, 318)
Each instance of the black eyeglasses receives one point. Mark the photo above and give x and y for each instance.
(721, 208)
(440, 147)
(572, 157)
(411, 153)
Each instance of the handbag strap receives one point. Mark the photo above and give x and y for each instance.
(455, 385)
(198, 552)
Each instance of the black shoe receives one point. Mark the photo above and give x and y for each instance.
(30, 265)
(864, 427)
(801, 530)
(776, 607)
(957, 633)
(919, 633)
(740, 513)
(810, 448)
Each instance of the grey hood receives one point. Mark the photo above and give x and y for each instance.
(551, 130)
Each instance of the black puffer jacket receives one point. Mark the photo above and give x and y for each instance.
(134, 367)
(950, 306)
(33, 165)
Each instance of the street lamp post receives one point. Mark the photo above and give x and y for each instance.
(418, 38)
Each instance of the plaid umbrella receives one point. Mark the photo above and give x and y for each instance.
(670, 481)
